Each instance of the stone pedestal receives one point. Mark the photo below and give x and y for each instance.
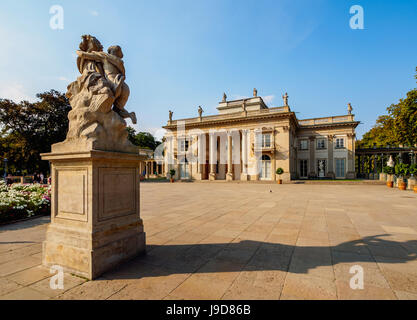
(229, 176)
(351, 175)
(212, 176)
(244, 177)
(411, 183)
(95, 220)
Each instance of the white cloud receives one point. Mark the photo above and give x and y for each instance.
(15, 92)
(94, 13)
(268, 99)
(61, 78)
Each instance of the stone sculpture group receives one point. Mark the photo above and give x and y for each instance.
(98, 98)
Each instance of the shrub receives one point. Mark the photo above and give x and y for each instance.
(388, 170)
(413, 169)
(402, 169)
(280, 171)
(20, 201)
(172, 173)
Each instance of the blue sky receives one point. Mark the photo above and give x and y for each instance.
(182, 54)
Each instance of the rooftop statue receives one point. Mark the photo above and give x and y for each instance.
(350, 108)
(224, 97)
(285, 98)
(200, 111)
(98, 98)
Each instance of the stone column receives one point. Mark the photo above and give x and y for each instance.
(201, 154)
(273, 160)
(244, 175)
(213, 156)
(351, 174)
(312, 157)
(229, 175)
(330, 160)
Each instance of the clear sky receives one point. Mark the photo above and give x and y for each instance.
(180, 54)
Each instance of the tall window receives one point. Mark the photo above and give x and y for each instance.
(340, 143)
(266, 140)
(340, 168)
(303, 168)
(183, 145)
(321, 143)
(303, 144)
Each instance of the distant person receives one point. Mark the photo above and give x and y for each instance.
(41, 178)
(9, 179)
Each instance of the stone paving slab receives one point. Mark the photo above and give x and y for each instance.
(242, 241)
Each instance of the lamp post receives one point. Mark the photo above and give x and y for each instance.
(5, 169)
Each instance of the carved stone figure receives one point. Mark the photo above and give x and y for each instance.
(97, 98)
(285, 98)
(350, 108)
(255, 92)
(170, 115)
(224, 97)
(200, 111)
(114, 72)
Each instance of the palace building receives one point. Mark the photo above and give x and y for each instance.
(262, 139)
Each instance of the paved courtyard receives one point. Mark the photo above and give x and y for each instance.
(243, 241)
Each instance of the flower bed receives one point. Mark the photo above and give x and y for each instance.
(20, 201)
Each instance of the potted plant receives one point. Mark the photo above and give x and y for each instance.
(279, 172)
(401, 169)
(389, 171)
(171, 175)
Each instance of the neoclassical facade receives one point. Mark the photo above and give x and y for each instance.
(246, 140)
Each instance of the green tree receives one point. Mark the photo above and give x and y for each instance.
(142, 139)
(398, 127)
(28, 129)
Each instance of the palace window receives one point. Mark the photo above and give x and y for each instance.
(303, 144)
(321, 144)
(183, 145)
(266, 140)
(340, 168)
(340, 143)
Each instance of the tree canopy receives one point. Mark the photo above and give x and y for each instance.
(142, 139)
(398, 127)
(28, 129)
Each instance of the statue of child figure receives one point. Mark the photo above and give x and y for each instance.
(115, 73)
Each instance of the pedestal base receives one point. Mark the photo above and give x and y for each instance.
(229, 176)
(244, 177)
(95, 220)
(331, 175)
(351, 175)
(212, 176)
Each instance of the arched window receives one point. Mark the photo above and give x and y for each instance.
(266, 157)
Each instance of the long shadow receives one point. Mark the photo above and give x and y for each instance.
(162, 260)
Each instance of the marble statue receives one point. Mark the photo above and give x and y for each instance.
(200, 111)
(98, 98)
(285, 98)
(255, 92)
(350, 108)
(224, 97)
(170, 115)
